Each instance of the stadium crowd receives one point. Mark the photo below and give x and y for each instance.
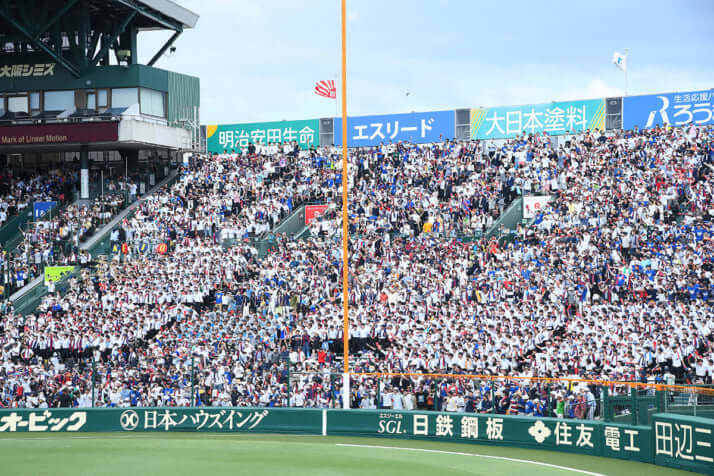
(612, 281)
(54, 238)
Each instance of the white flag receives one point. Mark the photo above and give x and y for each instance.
(620, 60)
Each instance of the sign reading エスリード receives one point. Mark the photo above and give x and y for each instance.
(415, 127)
(238, 136)
(555, 118)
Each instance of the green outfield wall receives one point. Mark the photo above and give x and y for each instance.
(672, 440)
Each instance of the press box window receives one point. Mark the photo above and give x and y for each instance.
(92, 101)
(59, 100)
(17, 104)
(102, 98)
(125, 97)
(152, 102)
(35, 102)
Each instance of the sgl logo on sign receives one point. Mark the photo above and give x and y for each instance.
(417, 127)
(675, 109)
(556, 118)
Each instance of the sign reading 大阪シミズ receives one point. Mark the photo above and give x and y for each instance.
(675, 109)
(27, 70)
(238, 136)
(415, 127)
(555, 118)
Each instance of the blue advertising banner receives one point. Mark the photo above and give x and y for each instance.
(41, 208)
(416, 127)
(555, 118)
(675, 109)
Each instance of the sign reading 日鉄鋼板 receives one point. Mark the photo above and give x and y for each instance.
(415, 127)
(674, 109)
(555, 118)
(229, 137)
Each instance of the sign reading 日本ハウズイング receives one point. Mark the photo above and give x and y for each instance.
(555, 118)
(416, 127)
(152, 419)
(238, 136)
(675, 109)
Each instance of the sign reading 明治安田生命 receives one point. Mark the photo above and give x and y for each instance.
(229, 137)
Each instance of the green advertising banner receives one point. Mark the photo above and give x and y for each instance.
(673, 440)
(260, 420)
(228, 137)
(55, 273)
(593, 438)
(684, 442)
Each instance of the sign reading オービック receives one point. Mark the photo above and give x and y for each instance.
(238, 136)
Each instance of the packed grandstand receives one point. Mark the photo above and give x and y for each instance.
(612, 279)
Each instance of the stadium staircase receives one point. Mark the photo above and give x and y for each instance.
(27, 298)
(11, 234)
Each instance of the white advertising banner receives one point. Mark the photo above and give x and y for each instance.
(533, 204)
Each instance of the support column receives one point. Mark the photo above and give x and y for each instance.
(84, 174)
(346, 395)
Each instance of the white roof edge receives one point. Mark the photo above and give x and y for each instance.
(173, 10)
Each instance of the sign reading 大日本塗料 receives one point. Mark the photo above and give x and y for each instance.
(555, 118)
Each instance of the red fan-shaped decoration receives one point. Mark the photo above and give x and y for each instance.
(326, 89)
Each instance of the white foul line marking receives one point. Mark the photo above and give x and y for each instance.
(503, 458)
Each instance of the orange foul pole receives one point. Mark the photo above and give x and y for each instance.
(345, 228)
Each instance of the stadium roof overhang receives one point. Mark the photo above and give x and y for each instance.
(118, 132)
(79, 34)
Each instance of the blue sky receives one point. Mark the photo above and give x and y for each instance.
(259, 60)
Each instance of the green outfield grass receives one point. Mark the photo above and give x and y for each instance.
(193, 454)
